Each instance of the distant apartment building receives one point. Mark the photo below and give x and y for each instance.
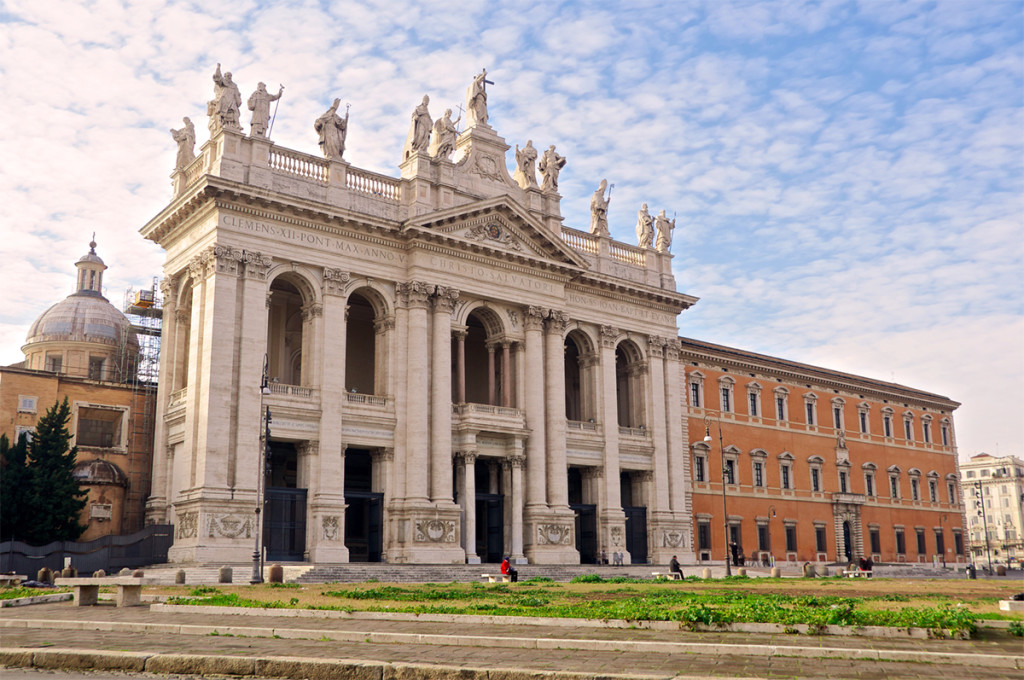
(817, 465)
(994, 503)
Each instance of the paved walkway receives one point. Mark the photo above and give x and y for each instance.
(259, 643)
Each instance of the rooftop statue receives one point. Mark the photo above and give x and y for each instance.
(599, 210)
(644, 227)
(664, 228)
(476, 100)
(333, 129)
(526, 159)
(550, 165)
(225, 107)
(443, 143)
(419, 130)
(186, 139)
(259, 104)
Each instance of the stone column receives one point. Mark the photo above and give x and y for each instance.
(460, 366)
(441, 396)
(656, 423)
(515, 466)
(467, 498)
(490, 374)
(416, 298)
(611, 517)
(536, 488)
(554, 388)
(506, 373)
(327, 497)
(678, 453)
(156, 505)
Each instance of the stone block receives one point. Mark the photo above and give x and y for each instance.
(200, 665)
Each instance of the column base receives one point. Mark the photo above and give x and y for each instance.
(213, 531)
(669, 535)
(550, 537)
(612, 534)
(426, 534)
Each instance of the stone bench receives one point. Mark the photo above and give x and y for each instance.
(669, 576)
(129, 589)
(493, 578)
(11, 579)
(856, 573)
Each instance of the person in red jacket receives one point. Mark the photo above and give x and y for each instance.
(507, 568)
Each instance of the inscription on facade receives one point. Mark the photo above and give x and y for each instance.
(377, 253)
(624, 308)
(483, 273)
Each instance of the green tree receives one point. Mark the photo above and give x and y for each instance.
(14, 487)
(56, 496)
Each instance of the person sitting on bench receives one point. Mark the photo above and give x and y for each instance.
(673, 567)
(507, 568)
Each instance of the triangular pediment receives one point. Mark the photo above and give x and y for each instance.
(500, 224)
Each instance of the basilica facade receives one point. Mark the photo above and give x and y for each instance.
(424, 369)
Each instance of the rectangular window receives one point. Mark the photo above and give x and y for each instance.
(901, 542)
(695, 395)
(945, 434)
(758, 473)
(842, 482)
(726, 404)
(23, 430)
(815, 479)
(837, 417)
(887, 425)
(752, 398)
(869, 484)
(699, 473)
(730, 472)
(915, 489)
(763, 539)
(95, 368)
(810, 412)
(940, 542)
(703, 535)
(908, 430)
(790, 538)
(863, 422)
(99, 427)
(926, 432)
(894, 487)
(922, 549)
(27, 404)
(820, 539)
(951, 489)
(933, 491)
(785, 477)
(53, 363)
(780, 408)
(876, 541)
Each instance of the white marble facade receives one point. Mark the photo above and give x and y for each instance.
(429, 339)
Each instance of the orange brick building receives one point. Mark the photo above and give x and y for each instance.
(820, 466)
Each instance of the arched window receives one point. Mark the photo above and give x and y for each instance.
(365, 358)
(489, 372)
(630, 371)
(580, 367)
(290, 302)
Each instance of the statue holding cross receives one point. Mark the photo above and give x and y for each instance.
(476, 100)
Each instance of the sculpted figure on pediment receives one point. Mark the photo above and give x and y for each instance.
(550, 165)
(333, 129)
(259, 104)
(644, 227)
(599, 210)
(526, 159)
(476, 100)
(664, 228)
(443, 143)
(225, 107)
(186, 140)
(419, 129)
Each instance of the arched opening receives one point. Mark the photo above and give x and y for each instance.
(488, 366)
(183, 338)
(580, 367)
(285, 333)
(361, 346)
(629, 375)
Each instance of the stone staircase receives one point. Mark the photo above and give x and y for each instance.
(447, 573)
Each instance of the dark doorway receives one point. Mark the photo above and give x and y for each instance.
(364, 517)
(284, 528)
(735, 536)
(284, 519)
(490, 524)
(847, 544)
(636, 533)
(586, 532)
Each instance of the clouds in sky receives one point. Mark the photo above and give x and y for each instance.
(848, 176)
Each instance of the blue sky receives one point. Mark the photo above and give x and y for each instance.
(848, 176)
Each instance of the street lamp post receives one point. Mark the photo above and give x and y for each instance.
(257, 553)
(979, 502)
(725, 511)
(942, 531)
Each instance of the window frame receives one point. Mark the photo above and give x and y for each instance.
(726, 394)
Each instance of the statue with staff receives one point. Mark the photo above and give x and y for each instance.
(644, 227)
(551, 164)
(443, 143)
(418, 140)
(259, 104)
(186, 140)
(664, 228)
(225, 107)
(526, 158)
(599, 209)
(333, 129)
(476, 100)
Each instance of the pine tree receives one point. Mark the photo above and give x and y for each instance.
(14, 488)
(56, 496)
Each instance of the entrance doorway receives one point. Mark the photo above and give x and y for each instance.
(636, 533)
(586, 532)
(364, 516)
(490, 527)
(284, 519)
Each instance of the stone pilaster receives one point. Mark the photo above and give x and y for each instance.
(441, 397)
(467, 500)
(611, 519)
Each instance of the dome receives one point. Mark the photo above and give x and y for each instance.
(92, 472)
(83, 317)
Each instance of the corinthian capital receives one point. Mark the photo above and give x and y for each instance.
(609, 334)
(415, 293)
(445, 298)
(533, 318)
